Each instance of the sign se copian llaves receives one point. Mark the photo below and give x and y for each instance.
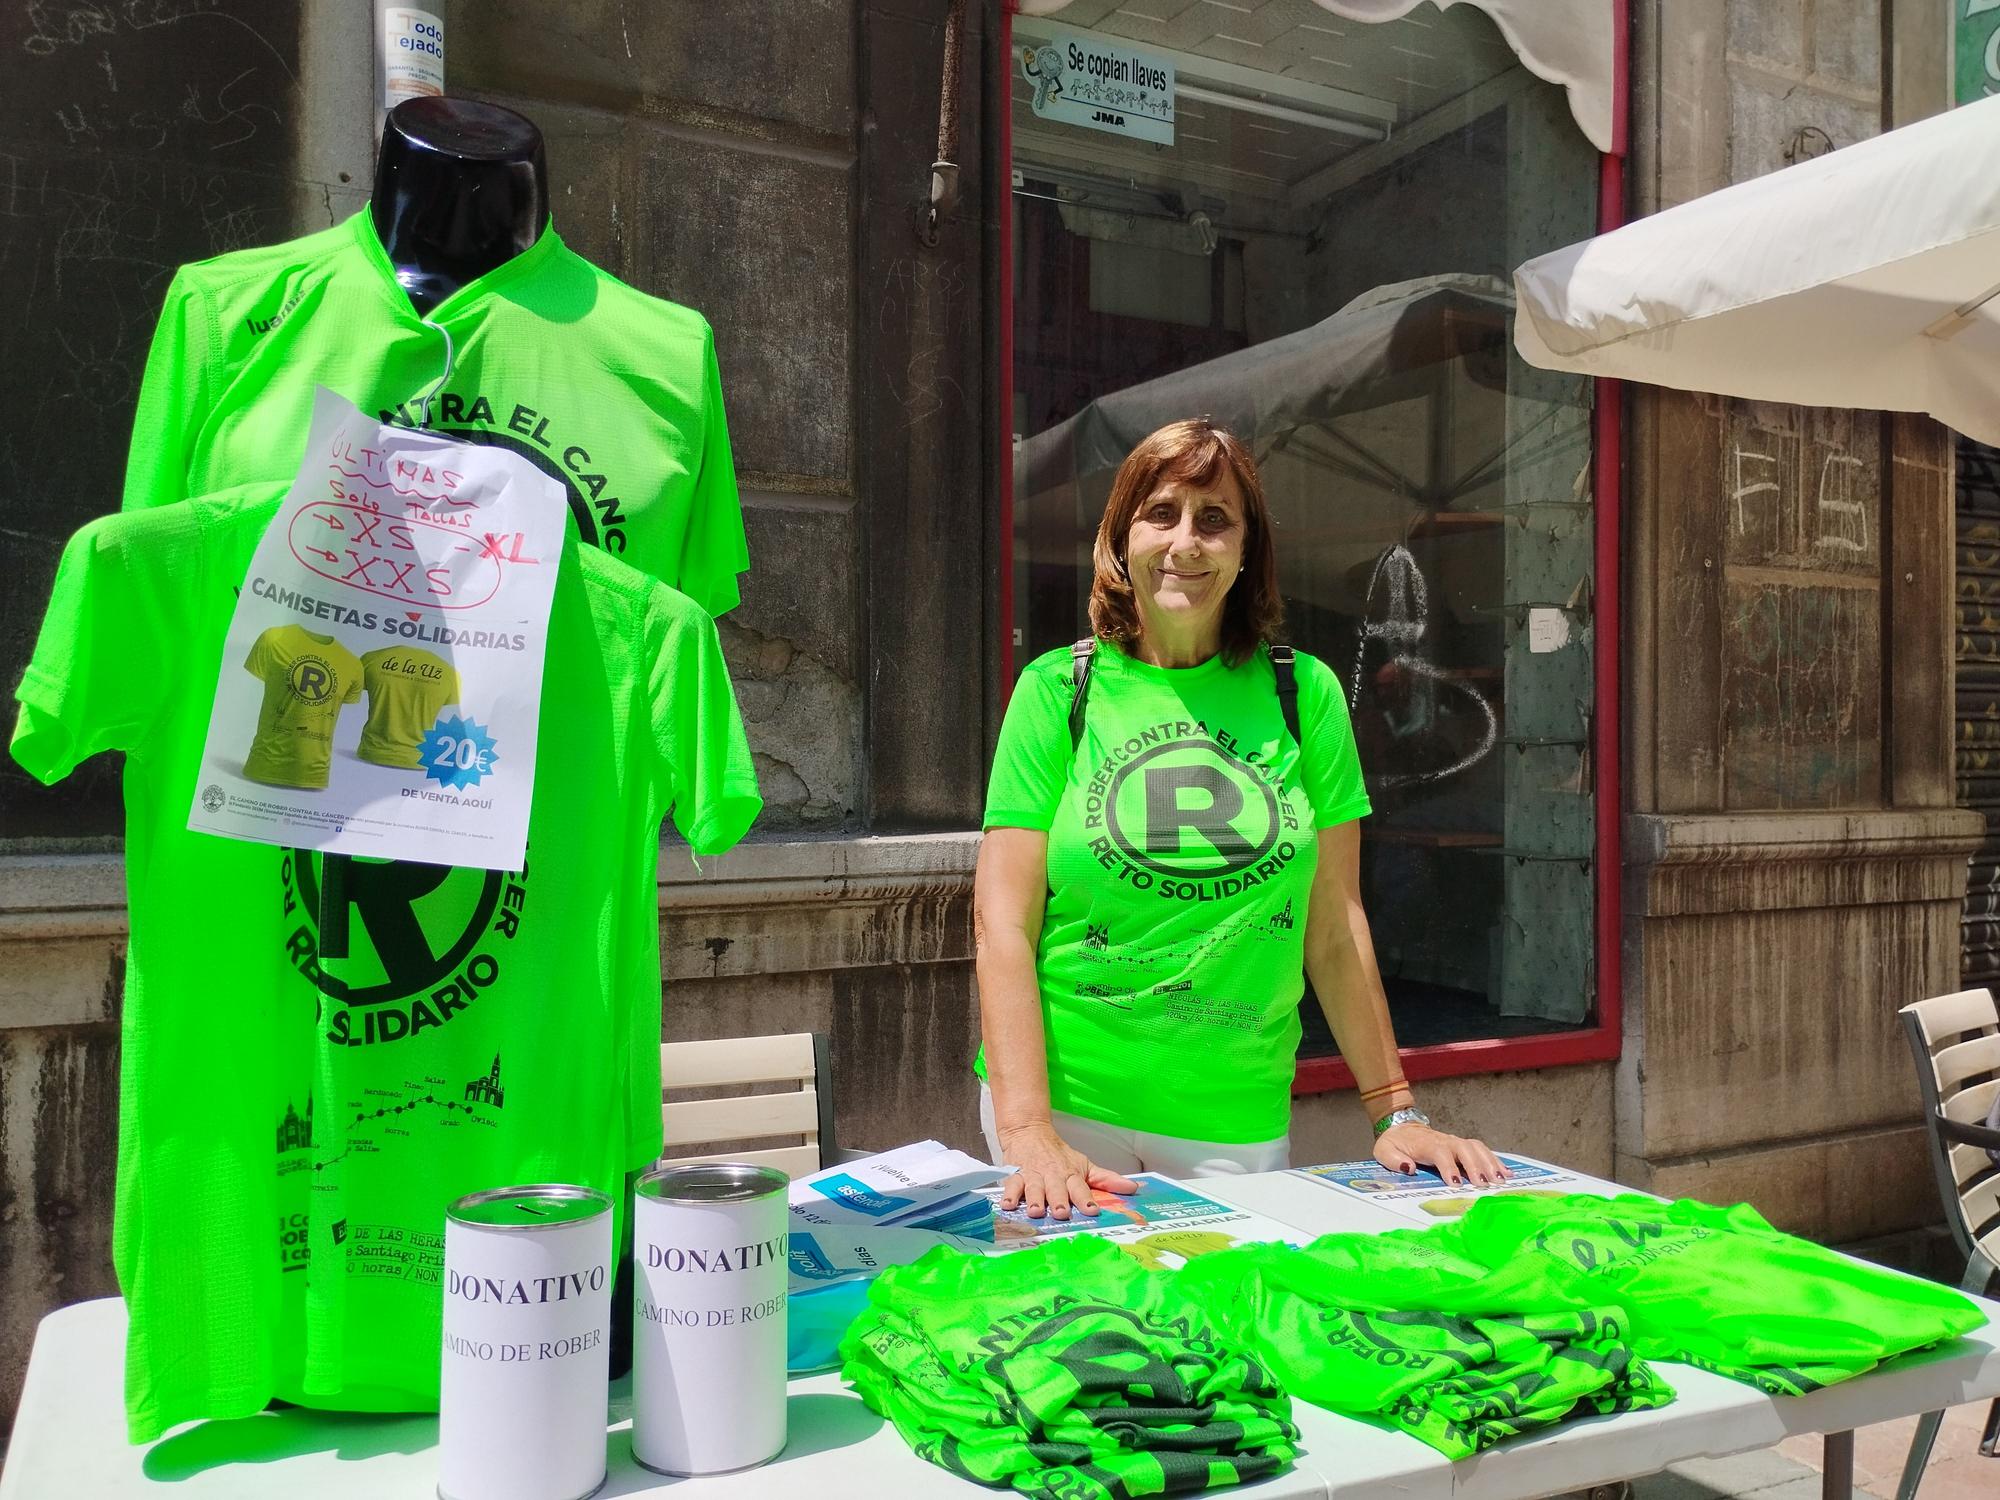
(1100, 83)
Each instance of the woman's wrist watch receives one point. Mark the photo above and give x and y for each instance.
(1409, 1114)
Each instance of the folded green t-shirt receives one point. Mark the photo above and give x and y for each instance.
(1396, 1327)
(1068, 1371)
(1719, 1287)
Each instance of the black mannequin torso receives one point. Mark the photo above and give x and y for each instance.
(460, 188)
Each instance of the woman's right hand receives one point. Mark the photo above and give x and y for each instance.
(1051, 1175)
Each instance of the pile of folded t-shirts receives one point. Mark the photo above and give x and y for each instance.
(1398, 1328)
(1065, 1370)
(1718, 1288)
(1071, 1369)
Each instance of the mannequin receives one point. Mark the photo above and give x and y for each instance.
(460, 187)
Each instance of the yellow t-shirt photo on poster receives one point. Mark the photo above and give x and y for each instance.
(308, 679)
(406, 689)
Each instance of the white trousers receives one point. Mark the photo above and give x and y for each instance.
(1124, 1150)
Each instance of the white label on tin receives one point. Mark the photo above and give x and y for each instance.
(706, 1258)
(524, 1291)
(412, 55)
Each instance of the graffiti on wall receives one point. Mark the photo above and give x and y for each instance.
(1801, 601)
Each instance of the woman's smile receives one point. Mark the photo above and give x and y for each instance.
(1182, 552)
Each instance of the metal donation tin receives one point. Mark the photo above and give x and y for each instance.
(527, 1350)
(708, 1318)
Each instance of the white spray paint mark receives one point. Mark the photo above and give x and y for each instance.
(1403, 618)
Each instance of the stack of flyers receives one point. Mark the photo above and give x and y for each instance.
(925, 1186)
(1425, 1198)
(1164, 1224)
(823, 1256)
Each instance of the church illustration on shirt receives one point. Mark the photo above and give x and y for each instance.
(487, 1090)
(294, 1131)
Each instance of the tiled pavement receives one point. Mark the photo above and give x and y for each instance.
(1791, 1471)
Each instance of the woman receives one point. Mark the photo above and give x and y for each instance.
(1154, 879)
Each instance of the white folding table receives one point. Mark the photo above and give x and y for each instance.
(69, 1432)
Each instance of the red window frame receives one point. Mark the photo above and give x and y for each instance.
(1600, 1042)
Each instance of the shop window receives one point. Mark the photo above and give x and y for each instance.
(1319, 258)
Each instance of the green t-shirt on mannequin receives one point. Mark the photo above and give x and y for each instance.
(614, 393)
(1182, 847)
(285, 1119)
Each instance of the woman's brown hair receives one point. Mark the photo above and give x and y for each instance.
(1194, 452)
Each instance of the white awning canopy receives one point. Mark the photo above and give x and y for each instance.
(1570, 42)
(1867, 278)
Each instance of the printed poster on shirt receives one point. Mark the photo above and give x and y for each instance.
(382, 681)
(1425, 1198)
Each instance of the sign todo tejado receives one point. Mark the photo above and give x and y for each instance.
(426, 942)
(1190, 814)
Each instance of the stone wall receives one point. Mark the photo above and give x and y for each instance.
(1794, 864)
(709, 155)
(132, 139)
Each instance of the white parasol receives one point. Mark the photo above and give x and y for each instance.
(1866, 278)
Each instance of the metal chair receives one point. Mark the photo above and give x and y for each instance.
(1955, 1040)
(801, 1116)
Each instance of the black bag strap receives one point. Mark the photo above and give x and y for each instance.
(1282, 668)
(1081, 655)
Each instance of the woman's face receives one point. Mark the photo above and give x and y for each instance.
(1183, 551)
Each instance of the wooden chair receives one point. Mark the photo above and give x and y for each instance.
(800, 1116)
(1956, 1042)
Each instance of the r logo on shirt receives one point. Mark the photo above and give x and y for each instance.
(1181, 811)
(311, 680)
(425, 942)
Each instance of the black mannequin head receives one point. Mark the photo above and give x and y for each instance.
(460, 187)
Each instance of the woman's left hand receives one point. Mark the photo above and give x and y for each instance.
(1455, 1158)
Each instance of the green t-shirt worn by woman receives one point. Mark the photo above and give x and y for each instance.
(1182, 846)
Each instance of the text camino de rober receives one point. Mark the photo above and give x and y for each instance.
(700, 1261)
